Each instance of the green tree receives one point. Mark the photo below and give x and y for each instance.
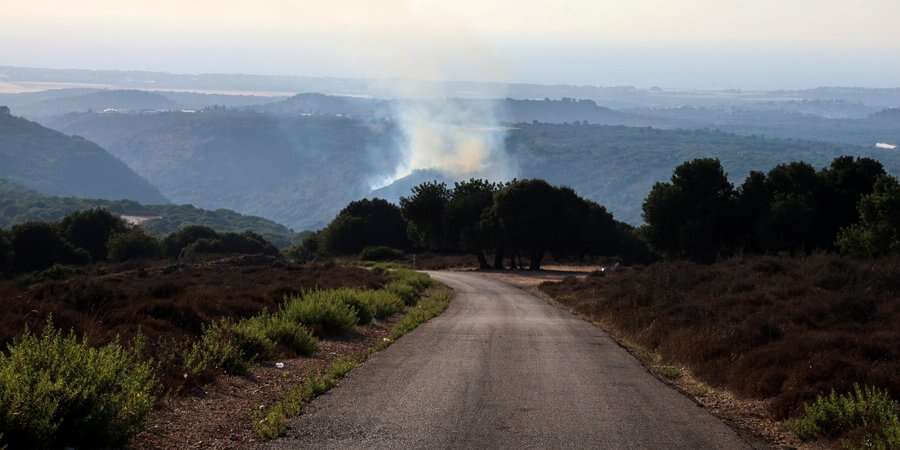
(426, 211)
(469, 201)
(693, 215)
(878, 230)
(91, 229)
(134, 244)
(39, 245)
(174, 243)
(527, 212)
(6, 253)
(791, 224)
(845, 182)
(365, 223)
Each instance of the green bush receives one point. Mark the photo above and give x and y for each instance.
(56, 391)
(135, 244)
(174, 243)
(216, 350)
(291, 335)
(257, 337)
(91, 230)
(418, 280)
(380, 253)
(404, 290)
(250, 337)
(355, 299)
(382, 303)
(868, 413)
(322, 311)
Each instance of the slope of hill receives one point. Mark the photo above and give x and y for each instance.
(52, 163)
(296, 170)
(19, 204)
(617, 166)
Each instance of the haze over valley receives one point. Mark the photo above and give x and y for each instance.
(600, 224)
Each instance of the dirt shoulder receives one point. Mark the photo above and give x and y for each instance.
(221, 415)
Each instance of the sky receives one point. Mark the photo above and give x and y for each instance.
(758, 44)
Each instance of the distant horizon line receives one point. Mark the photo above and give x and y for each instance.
(298, 77)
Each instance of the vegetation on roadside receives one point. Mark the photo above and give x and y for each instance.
(58, 391)
(866, 417)
(777, 328)
(272, 422)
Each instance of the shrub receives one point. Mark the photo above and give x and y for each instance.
(249, 336)
(38, 245)
(382, 303)
(355, 299)
(91, 230)
(215, 350)
(291, 335)
(866, 408)
(403, 290)
(135, 244)
(380, 253)
(322, 311)
(56, 391)
(258, 336)
(244, 243)
(408, 284)
(174, 243)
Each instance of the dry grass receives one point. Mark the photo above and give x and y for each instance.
(775, 328)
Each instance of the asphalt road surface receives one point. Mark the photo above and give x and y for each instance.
(501, 368)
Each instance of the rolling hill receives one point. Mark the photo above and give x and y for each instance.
(296, 170)
(53, 163)
(19, 204)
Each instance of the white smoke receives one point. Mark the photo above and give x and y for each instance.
(460, 139)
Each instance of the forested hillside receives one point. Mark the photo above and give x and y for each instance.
(52, 163)
(296, 170)
(19, 205)
(617, 166)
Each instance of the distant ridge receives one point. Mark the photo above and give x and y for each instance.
(53, 163)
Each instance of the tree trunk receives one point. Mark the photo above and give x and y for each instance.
(482, 261)
(536, 257)
(498, 259)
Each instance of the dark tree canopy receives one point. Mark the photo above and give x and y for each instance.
(38, 245)
(792, 208)
(365, 223)
(878, 230)
(91, 229)
(425, 210)
(692, 216)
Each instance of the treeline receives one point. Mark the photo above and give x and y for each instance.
(851, 206)
(19, 205)
(521, 219)
(96, 235)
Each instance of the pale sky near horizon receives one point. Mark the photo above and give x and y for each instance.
(679, 44)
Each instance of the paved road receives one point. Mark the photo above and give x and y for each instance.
(503, 369)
